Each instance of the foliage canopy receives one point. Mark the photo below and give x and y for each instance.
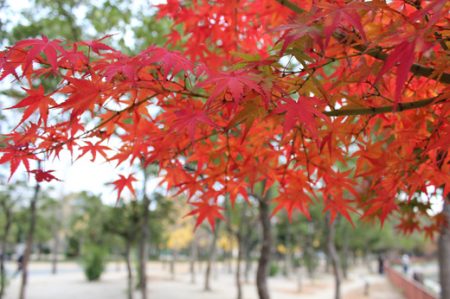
(345, 103)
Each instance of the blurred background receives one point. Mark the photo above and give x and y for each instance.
(87, 245)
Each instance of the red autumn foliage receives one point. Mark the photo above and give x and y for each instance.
(361, 123)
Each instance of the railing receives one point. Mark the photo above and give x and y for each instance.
(410, 288)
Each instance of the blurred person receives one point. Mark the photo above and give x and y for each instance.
(20, 251)
(380, 264)
(405, 262)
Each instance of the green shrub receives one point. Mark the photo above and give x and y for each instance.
(94, 262)
(273, 269)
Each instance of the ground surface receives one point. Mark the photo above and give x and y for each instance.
(70, 283)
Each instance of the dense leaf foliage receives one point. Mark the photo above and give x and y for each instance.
(340, 102)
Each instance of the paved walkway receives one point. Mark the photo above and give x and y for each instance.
(71, 284)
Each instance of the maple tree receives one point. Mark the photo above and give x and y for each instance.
(342, 102)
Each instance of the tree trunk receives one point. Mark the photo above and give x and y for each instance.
(334, 257)
(248, 262)
(6, 230)
(173, 260)
(444, 252)
(309, 257)
(345, 252)
(29, 241)
(238, 267)
(264, 258)
(299, 279)
(288, 253)
(230, 261)
(55, 250)
(194, 255)
(143, 246)
(212, 253)
(129, 269)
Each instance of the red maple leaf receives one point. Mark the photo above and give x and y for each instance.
(123, 182)
(189, 120)
(96, 45)
(36, 46)
(303, 111)
(124, 67)
(236, 83)
(16, 156)
(93, 149)
(293, 201)
(36, 100)
(335, 15)
(170, 61)
(83, 95)
(41, 175)
(7, 66)
(204, 210)
(403, 56)
(74, 59)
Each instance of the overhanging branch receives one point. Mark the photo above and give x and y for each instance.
(383, 109)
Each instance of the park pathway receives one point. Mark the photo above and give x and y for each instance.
(71, 284)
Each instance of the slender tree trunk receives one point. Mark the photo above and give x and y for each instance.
(143, 242)
(288, 253)
(248, 262)
(309, 257)
(238, 267)
(29, 241)
(212, 253)
(310, 261)
(444, 252)
(173, 260)
(6, 230)
(327, 264)
(345, 252)
(129, 269)
(55, 250)
(194, 255)
(264, 258)
(230, 260)
(334, 257)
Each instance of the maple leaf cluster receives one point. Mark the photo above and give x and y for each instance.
(357, 119)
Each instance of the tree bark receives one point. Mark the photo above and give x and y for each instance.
(55, 227)
(288, 253)
(129, 269)
(173, 260)
(6, 230)
(299, 279)
(143, 246)
(194, 255)
(248, 262)
(345, 252)
(238, 267)
(309, 255)
(264, 258)
(444, 252)
(334, 257)
(212, 253)
(29, 241)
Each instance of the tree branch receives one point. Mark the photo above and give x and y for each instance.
(377, 52)
(383, 109)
